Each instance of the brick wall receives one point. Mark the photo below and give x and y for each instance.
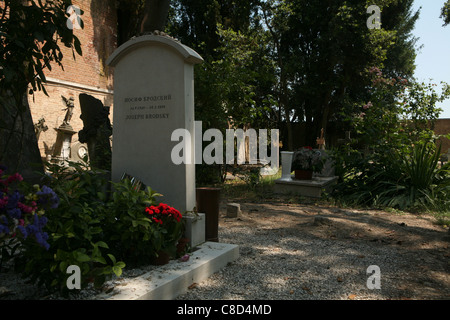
(84, 74)
(442, 126)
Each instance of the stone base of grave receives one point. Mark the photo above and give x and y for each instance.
(170, 280)
(308, 188)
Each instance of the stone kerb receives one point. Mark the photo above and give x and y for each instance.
(153, 96)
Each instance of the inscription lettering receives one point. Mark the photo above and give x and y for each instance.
(150, 98)
(147, 116)
(138, 108)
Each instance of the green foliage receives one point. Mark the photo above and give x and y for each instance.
(274, 63)
(28, 44)
(445, 13)
(318, 79)
(97, 229)
(132, 235)
(250, 174)
(414, 179)
(393, 160)
(307, 159)
(75, 231)
(31, 33)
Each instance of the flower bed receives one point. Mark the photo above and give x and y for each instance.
(72, 221)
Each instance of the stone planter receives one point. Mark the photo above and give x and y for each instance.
(286, 161)
(194, 228)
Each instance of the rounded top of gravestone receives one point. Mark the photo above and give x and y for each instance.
(153, 38)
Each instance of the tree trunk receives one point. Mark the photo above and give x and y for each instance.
(325, 113)
(155, 15)
(19, 150)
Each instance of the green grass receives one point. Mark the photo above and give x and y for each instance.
(263, 191)
(238, 188)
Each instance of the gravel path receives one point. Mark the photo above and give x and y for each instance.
(304, 252)
(286, 252)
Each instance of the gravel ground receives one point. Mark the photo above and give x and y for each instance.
(305, 252)
(287, 253)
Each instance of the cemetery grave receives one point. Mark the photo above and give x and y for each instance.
(133, 222)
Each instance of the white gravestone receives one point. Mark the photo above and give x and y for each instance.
(153, 96)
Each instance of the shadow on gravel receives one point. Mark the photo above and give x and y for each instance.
(287, 252)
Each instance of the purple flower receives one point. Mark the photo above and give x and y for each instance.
(13, 200)
(31, 229)
(14, 213)
(23, 231)
(185, 258)
(47, 197)
(35, 229)
(41, 239)
(4, 229)
(43, 222)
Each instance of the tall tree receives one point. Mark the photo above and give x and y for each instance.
(322, 49)
(30, 35)
(400, 59)
(445, 13)
(137, 17)
(129, 17)
(195, 22)
(155, 15)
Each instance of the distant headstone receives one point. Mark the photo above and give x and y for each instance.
(153, 97)
(96, 132)
(328, 167)
(39, 127)
(233, 210)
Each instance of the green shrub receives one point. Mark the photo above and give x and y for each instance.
(97, 228)
(134, 237)
(75, 232)
(397, 179)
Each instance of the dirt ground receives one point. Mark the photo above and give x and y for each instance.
(420, 245)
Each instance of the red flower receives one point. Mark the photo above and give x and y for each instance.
(157, 220)
(152, 210)
(25, 208)
(163, 212)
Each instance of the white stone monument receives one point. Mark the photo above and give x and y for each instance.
(153, 96)
(322, 182)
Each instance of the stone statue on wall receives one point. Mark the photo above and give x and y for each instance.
(69, 110)
(96, 132)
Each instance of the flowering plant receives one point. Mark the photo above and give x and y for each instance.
(169, 221)
(163, 214)
(24, 211)
(307, 159)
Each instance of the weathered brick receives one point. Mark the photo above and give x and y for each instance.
(98, 41)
